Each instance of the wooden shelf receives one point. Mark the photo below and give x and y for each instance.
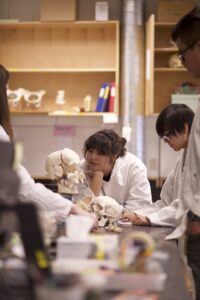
(164, 25)
(70, 70)
(76, 114)
(57, 113)
(163, 50)
(19, 112)
(107, 117)
(69, 24)
(76, 57)
(170, 70)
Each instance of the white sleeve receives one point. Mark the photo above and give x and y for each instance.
(37, 193)
(163, 211)
(191, 180)
(40, 195)
(3, 135)
(165, 216)
(166, 208)
(138, 189)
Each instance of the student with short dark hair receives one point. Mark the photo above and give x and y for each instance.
(173, 126)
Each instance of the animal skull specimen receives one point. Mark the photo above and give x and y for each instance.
(34, 98)
(63, 166)
(14, 96)
(174, 61)
(107, 209)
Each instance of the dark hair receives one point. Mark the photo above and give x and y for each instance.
(173, 118)
(188, 28)
(4, 108)
(106, 142)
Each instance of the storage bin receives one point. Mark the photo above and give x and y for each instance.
(189, 100)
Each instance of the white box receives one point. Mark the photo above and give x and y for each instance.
(69, 248)
(189, 100)
(101, 11)
(112, 281)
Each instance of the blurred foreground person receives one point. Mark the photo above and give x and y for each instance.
(37, 193)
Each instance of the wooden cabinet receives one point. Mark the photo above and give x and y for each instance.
(76, 57)
(161, 80)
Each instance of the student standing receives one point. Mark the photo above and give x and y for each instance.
(186, 35)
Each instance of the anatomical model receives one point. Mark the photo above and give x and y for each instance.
(63, 166)
(106, 208)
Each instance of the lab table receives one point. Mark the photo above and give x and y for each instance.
(175, 286)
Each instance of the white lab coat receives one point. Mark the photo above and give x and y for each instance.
(190, 195)
(36, 192)
(128, 183)
(163, 211)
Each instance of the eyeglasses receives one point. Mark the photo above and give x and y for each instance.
(166, 137)
(181, 53)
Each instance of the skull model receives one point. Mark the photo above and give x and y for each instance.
(174, 61)
(107, 209)
(63, 166)
(14, 96)
(34, 98)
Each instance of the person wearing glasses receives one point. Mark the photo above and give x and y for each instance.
(173, 127)
(186, 35)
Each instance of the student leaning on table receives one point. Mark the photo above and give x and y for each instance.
(112, 171)
(173, 126)
(29, 190)
(186, 35)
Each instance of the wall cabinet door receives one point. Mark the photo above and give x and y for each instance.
(164, 73)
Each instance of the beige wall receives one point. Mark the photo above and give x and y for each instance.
(41, 136)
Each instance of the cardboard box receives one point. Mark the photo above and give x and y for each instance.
(173, 10)
(59, 10)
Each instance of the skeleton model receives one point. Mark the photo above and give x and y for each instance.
(174, 61)
(106, 208)
(63, 166)
(14, 96)
(34, 98)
